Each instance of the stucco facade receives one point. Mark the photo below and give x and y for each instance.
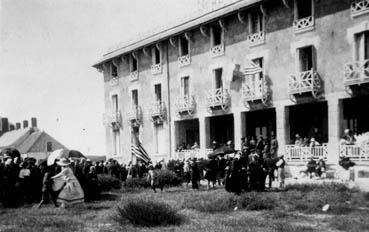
(329, 34)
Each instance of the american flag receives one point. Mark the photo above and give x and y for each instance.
(140, 152)
(252, 69)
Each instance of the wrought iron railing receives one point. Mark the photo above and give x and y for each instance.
(357, 73)
(307, 81)
(359, 7)
(185, 104)
(256, 38)
(302, 154)
(304, 24)
(355, 152)
(218, 98)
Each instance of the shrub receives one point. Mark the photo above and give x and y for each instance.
(167, 178)
(108, 182)
(146, 212)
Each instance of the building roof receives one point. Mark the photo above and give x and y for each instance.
(178, 28)
(13, 137)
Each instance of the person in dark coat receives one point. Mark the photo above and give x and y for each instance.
(260, 146)
(270, 168)
(195, 174)
(92, 185)
(47, 191)
(222, 162)
(211, 172)
(9, 180)
(256, 173)
(274, 146)
(234, 176)
(311, 167)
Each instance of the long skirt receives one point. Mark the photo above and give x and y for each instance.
(71, 193)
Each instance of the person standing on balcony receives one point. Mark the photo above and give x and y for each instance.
(349, 137)
(298, 140)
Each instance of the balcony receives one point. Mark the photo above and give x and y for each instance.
(113, 120)
(185, 105)
(254, 90)
(114, 81)
(256, 39)
(305, 82)
(355, 152)
(357, 73)
(156, 69)
(134, 116)
(217, 50)
(359, 7)
(304, 24)
(295, 153)
(158, 112)
(133, 76)
(218, 98)
(184, 60)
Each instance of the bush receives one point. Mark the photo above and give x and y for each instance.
(108, 182)
(167, 178)
(145, 212)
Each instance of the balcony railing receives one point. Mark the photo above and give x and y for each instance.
(134, 115)
(307, 81)
(256, 38)
(185, 104)
(158, 112)
(359, 7)
(355, 152)
(304, 24)
(357, 73)
(133, 76)
(303, 154)
(184, 60)
(218, 98)
(255, 89)
(113, 120)
(114, 81)
(156, 69)
(217, 50)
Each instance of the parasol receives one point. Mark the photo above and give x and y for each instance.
(63, 153)
(221, 151)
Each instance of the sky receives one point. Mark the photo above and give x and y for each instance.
(47, 48)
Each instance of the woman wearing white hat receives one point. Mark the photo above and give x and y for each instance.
(70, 190)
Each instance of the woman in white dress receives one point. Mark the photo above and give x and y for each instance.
(70, 190)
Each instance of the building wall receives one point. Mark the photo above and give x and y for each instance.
(332, 39)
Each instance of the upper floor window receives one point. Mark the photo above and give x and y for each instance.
(218, 81)
(133, 63)
(184, 46)
(135, 97)
(259, 62)
(216, 35)
(256, 22)
(115, 102)
(156, 56)
(49, 147)
(185, 85)
(114, 70)
(362, 46)
(303, 8)
(306, 58)
(157, 89)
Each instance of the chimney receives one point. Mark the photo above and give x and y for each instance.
(25, 123)
(4, 125)
(11, 127)
(17, 125)
(34, 122)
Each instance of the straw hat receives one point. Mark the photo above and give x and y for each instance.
(63, 162)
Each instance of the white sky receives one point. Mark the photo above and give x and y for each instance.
(47, 48)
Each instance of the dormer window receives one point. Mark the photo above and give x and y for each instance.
(304, 15)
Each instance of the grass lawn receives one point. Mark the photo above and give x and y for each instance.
(296, 209)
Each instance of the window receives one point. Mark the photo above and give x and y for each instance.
(114, 70)
(115, 103)
(362, 46)
(303, 8)
(218, 78)
(184, 46)
(135, 97)
(256, 22)
(116, 143)
(259, 62)
(133, 66)
(306, 58)
(156, 57)
(157, 92)
(49, 147)
(185, 85)
(217, 35)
